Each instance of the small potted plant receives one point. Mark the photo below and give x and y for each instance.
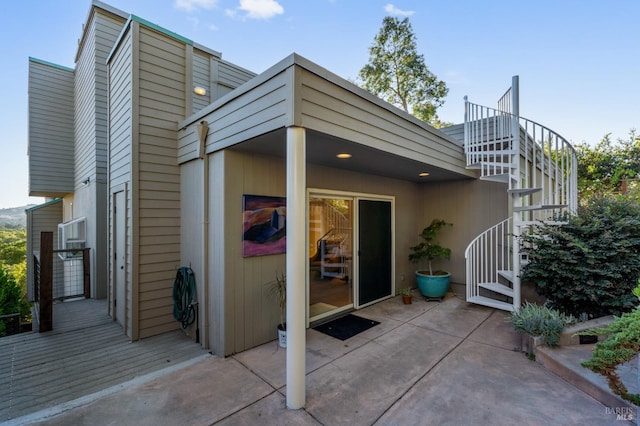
(279, 289)
(407, 295)
(432, 284)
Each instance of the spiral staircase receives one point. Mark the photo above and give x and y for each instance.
(539, 170)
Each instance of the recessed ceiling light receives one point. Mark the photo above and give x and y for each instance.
(423, 174)
(344, 155)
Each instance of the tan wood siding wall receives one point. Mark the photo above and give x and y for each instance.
(473, 206)
(202, 78)
(251, 114)
(192, 232)
(456, 132)
(121, 137)
(39, 219)
(250, 311)
(50, 130)
(91, 143)
(161, 105)
(331, 109)
(232, 76)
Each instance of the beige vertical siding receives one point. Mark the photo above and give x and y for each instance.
(232, 76)
(192, 232)
(162, 69)
(472, 206)
(250, 114)
(242, 307)
(121, 131)
(329, 108)
(91, 141)
(51, 119)
(202, 78)
(456, 132)
(44, 217)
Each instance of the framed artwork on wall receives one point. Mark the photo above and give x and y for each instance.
(264, 225)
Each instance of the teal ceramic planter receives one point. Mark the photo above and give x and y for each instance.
(435, 286)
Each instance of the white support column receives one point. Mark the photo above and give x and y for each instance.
(296, 262)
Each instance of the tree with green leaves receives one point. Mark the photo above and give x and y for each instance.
(610, 167)
(12, 299)
(399, 75)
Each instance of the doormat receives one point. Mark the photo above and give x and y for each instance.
(346, 327)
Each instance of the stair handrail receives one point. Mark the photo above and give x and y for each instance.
(487, 255)
(554, 163)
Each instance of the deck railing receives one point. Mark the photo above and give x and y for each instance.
(58, 277)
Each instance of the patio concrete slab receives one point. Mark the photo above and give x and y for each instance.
(430, 363)
(497, 331)
(454, 317)
(485, 385)
(358, 387)
(203, 393)
(270, 410)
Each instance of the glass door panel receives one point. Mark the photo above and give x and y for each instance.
(330, 255)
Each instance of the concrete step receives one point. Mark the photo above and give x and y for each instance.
(564, 361)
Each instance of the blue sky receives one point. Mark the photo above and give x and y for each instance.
(578, 60)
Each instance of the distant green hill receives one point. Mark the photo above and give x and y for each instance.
(14, 216)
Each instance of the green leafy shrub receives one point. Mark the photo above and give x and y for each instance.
(11, 297)
(620, 347)
(537, 320)
(590, 264)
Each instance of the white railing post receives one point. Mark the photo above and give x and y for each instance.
(517, 199)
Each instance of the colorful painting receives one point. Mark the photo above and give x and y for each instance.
(264, 222)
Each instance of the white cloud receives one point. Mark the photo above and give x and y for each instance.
(392, 10)
(261, 9)
(191, 5)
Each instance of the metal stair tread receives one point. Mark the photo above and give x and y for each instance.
(497, 288)
(486, 301)
(503, 178)
(538, 207)
(506, 274)
(482, 164)
(541, 222)
(522, 192)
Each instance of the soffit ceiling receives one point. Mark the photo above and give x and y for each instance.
(322, 149)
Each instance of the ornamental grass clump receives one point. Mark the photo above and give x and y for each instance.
(538, 320)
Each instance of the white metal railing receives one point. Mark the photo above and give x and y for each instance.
(540, 167)
(544, 160)
(488, 255)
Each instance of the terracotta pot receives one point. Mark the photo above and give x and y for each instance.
(406, 299)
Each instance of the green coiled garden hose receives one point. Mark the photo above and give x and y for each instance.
(184, 291)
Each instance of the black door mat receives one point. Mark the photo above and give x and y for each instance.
(345, 327)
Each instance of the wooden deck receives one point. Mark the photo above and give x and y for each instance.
(86, 352)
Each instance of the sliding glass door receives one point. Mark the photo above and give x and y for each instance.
(350, 252)
(330, 255)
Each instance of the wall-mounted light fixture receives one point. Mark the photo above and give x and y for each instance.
(86, 181)
(201, 91)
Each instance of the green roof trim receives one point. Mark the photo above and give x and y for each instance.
(161, 30)
(48, 203)
(50, 64)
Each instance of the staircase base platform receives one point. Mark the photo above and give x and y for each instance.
(487, 301)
